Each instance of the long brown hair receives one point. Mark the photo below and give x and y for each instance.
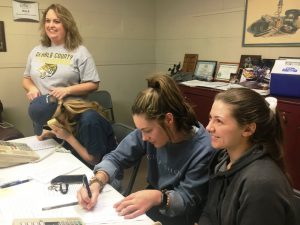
(73, 38)
(250, 107)
(163, 96)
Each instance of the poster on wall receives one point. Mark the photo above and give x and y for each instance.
(2, 37)
(272, 23)
(26, 11)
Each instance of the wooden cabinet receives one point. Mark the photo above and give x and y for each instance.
(290, 112)
(202, 99)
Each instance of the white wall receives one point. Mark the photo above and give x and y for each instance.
(211, 28)
(129, 39)
(118, 33)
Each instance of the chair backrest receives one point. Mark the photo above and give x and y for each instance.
(103, 97)
(121, 131)
(297, 204)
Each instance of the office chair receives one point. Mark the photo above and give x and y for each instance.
(121, 131)
(297, 204)
(103, 97)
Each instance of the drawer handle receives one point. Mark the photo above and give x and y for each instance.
(284, 119)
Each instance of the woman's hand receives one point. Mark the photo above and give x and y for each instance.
(138, 203)
(33, 93)
(60, 132)
(83, 198)
(60, 92)
(31, 88)
(45, 135)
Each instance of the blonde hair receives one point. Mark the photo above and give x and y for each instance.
(71, 107)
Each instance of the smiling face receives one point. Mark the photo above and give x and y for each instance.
(224, 129)
(151, 131)
(54, 28)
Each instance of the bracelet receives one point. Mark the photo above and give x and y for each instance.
(165, 200)
(95, 179)
(105, 176)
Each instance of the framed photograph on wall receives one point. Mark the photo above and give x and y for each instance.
(205, 70)
(2, 37)
(271, 23)
(225, 69)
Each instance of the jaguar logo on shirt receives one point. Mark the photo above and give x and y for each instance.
(47, 70)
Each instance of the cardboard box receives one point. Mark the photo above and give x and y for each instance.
(285, 78)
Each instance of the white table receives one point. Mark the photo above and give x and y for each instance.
(26, 200)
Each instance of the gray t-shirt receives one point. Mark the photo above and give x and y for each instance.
(55, 66)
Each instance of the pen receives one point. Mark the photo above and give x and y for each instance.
(59, 206)
(13, 183)
(86, 185)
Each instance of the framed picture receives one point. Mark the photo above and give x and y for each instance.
(234, 78)
(225, 69)
(266, 67)
(2, 37)
(287, 57)
(271, 23)
(247, 65)
(205, 70)
(189, 63)
(249, 61)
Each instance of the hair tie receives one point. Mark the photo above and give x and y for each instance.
(272, 103)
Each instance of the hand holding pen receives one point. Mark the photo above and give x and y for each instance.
(87, 195)
(86, 185)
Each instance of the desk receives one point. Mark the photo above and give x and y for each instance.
(26, 200)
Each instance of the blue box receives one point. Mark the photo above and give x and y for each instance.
(285, 78)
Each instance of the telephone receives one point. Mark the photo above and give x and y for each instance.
(54, 122)
(49, 221)
(13, 153)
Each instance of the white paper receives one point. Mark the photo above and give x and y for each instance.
(199, 83)
(28, 200)
(220, 86)
(35, 144)
(25, 11)
(47, 172)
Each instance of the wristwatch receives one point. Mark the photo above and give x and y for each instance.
(95, 179)
(165, 200)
